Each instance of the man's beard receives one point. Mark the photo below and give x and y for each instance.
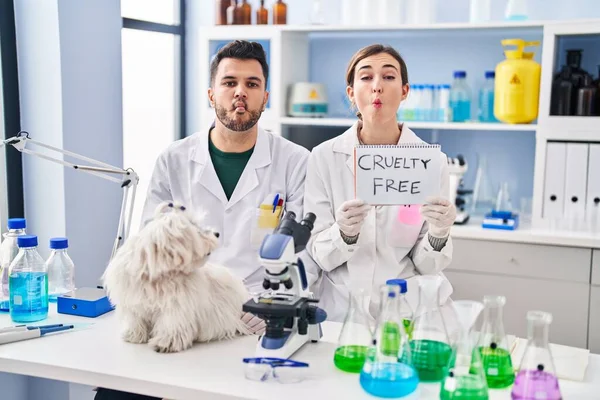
(234, 125)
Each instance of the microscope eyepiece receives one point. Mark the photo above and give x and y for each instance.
(309, 221)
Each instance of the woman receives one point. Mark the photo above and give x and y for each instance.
(356, 245)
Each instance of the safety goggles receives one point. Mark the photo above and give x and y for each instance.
(281, 369)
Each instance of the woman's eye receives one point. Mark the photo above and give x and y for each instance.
(365, 78)
(390, 77)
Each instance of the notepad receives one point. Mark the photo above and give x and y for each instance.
(398, 174)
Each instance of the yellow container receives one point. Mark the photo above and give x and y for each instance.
(517, 84)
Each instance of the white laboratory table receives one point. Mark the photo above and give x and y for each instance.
(96, 356)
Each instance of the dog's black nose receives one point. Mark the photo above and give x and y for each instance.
(217, 234)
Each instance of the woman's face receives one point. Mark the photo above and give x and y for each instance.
(378, 88)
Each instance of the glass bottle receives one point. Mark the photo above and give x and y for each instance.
(232, 13)
(388, 369)
(465, 378)
(28, 283)
(460, 98)
(430, 344)
(493, 345)
(486, 98)
(262, 14)
(406, 312)
(244, 11)
(8, 251)
(537, 376)
(221, 11)
(355, 337)
(61, 270)
(279, 13)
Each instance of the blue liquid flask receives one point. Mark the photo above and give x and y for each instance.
(460, 98)
(28, 283)
(486, 99)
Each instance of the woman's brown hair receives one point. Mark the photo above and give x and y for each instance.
(369, 51)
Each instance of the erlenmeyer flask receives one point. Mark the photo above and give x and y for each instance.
(493, 345)
(388, 370)
(355, 337)
(406, 312)
(465, 378)
(430, 343)
(537, 377)
(483, 193)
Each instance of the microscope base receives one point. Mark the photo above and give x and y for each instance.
(293, 343)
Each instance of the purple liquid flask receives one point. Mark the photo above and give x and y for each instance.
(537, 376)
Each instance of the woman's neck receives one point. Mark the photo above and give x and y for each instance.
(379, 133)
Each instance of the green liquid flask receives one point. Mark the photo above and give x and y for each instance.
(355, 337)
(465, 379)
(493, 346)
(430, 345)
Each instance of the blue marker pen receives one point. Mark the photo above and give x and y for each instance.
(275, 202)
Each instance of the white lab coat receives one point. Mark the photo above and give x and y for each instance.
(385, 248)
(185, 173)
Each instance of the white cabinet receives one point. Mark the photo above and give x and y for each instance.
(594, 329)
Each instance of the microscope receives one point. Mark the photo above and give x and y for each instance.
(288, 308)
(457, 168)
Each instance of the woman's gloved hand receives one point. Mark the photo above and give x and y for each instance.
(255, 325)
(351, 215)
(440, 214)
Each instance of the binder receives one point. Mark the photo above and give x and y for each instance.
(554, 181)
(593, 187)
(576, 180)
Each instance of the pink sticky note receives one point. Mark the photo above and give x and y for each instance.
(410, 214)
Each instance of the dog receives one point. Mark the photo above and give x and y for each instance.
(166, 292)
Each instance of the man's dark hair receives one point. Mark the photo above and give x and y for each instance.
(241, 50)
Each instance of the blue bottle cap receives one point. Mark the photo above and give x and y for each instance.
(58, 243)
(460, 74)
(27, 241)
(17, 223)
(490, 74)
(399, 282)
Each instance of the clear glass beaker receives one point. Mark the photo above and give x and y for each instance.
(537, 376)
(465, 378)
(493, 345)
(430, 344)
(355, 337)
(388, 370)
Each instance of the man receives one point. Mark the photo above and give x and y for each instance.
(232, 167)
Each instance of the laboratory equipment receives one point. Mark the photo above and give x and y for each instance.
(480, 11)
(61, 270)
(516, 10)
(430, 344)
(128, 183)
(244, 11)
(317, 13)
(262, 14)
(84, 302)
(28, 283)
(388, 371)
(233, 14)
(18, 336)
(290, 315)
(460, 98)
(457, 168)
(566, 84)
(444, 112)
(8, 251)
(406, 312)
(517, 86)
(483, 195)
(21, 328)
(281, 369)
(537, 376)
(486, 98)
(307, 99)
(420, 12)
(465, 378)
(502, 216)
(279, 13)
(221, 11)
(587, 99)
(355, 336)
(493, 345)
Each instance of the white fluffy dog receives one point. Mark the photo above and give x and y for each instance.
(166, 293)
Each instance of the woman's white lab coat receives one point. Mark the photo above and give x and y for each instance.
(185, 173)
(385, 248)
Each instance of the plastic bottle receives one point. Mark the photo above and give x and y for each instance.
(8, 251)
(444, 111)
(493, 346)
(480, 11)
(406, 312)
(486, 98)
(516, 10)
(28, 283)
(411, 104)
(427, 102)
(430, 344)
(417, 104)
(61, 270)
(388, 370)
(460, 98)
(537, 375)
(355, 337)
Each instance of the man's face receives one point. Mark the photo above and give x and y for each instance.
(238, 94)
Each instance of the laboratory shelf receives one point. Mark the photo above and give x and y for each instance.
(571, 128)
(457, 126)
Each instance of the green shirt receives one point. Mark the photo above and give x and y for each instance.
(228, 166)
